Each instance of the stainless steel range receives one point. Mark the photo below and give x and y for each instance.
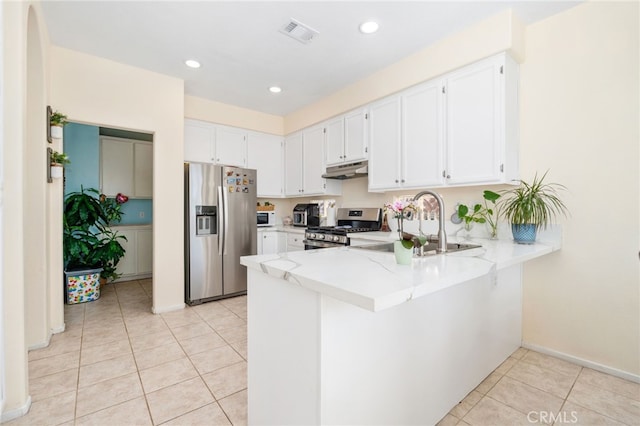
(349, 221)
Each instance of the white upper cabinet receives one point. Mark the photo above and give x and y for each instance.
(304, 165)
(476, 97)
(210, 143)
(422, 136)
(293, 165)
(384, 140)
(460, 129)
(265, 154)
(126, 166)
(313, 161)
(199, 140)
(231, 146)
(143, 170)
(334, 141)
(346, 138)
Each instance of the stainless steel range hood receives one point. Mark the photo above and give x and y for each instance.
(347, 171)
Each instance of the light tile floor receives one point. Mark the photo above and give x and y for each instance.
(118, 364)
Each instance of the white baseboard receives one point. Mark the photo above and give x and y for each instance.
(167, 308)
(16, 412)
(60, 329)
(41, 344)
(583, 362)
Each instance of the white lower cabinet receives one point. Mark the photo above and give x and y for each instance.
(137, 261)
(295, 241)
(271, 241)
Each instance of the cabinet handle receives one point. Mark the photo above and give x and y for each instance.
(397, 181)
(448, 176)
(402, 181)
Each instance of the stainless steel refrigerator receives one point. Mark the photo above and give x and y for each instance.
(220, 226)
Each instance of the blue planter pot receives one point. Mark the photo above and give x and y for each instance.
(524, 234)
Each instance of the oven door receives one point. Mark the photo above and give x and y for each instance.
(313, 245)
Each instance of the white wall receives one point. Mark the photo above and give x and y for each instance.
(98, 91)
(579, 118)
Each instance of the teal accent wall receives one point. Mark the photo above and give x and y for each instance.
(82, 145)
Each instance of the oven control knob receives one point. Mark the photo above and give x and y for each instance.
(336, 238)
(320, 236)
(312, 236)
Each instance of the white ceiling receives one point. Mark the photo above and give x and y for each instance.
(243, 53)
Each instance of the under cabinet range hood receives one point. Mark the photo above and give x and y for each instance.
(347, 171)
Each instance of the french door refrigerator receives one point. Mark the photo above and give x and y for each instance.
(220, 226)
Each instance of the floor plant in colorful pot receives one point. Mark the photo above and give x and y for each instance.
(531, 206)
(89, 245)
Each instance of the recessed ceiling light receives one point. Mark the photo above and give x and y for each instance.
(369, 27)
(192, 64)
(275, 89)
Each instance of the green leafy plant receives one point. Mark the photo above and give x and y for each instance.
(58, 119)
(487, 213)
(59, 158)
(88, 240)
(535, 203)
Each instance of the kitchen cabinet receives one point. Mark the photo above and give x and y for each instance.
(295, 241)
(265, 154)
(137, 261)
(304, 165)
(198, 141)
(271, 242)
(231, 146)
(126, 166)
(384, 140)
(346, 138)
(481, 137)
(210, 143)
(460, 129)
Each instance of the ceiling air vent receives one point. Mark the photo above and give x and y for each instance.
(299, 31)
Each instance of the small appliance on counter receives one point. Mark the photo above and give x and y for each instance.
(266, 218)
(306, 215)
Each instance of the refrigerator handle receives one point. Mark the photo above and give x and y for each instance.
(221, 220)
(226, 221)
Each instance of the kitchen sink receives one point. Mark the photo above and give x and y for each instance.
(430, 248)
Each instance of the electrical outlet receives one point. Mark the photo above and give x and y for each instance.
(141, 215)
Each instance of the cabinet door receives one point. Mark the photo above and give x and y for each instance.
(293, 164)
(334, 141)
(269, 242)
(116, 167)
(198, 142)
(355, 135)
(313, 161)
(422, 139)
(265, 154)
(231, 146)
(128, 264)
(143, 170)
(473, 105)
(295, 242)
(144, 251)
(384, 144)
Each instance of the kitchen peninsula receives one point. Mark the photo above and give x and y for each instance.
(347, 336)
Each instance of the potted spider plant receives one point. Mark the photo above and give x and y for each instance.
(531, 206)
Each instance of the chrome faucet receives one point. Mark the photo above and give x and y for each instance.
(442, 236)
